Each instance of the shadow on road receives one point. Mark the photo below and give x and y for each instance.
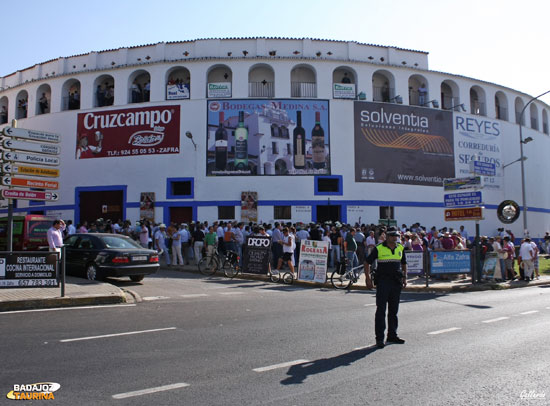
(465, 305)
(298, 373)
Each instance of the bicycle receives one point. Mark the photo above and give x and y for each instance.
(343, 278)
(228, 262)
(275, 276)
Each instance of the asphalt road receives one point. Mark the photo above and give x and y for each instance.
(211, 341)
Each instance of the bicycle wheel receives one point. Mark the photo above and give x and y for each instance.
(340, 281)
(275, 276)
(208, 265)
(230, 270)
(288, 278)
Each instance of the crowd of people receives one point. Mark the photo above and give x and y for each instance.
(183, 244)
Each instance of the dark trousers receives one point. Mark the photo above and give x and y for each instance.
(387, 292)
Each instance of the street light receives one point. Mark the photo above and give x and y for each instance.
(189, 135)
(521, 142)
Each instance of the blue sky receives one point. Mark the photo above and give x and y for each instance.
(505, 42)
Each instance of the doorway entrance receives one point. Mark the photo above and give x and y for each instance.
(105, 204)
(180, 215)
(331, 212)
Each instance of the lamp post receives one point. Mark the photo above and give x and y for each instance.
(521, 142)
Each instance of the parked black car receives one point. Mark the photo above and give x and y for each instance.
(96, 256)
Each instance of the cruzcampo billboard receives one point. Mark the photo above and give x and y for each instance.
(403, 144)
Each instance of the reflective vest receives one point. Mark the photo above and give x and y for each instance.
(388, 261)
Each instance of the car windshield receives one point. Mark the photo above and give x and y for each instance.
(119, 242)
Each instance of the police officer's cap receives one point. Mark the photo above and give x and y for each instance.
(392, 232)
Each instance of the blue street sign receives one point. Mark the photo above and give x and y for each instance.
(473, 182)
(463, 199)
(484, 168)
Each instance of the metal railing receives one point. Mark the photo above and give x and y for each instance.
(303, 89)
(477, 108)
(449, 102)
(261, 89)
(382, 94)
(69, 103)
(501, 112)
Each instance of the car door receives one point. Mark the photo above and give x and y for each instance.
(70, 244)
(84, 252)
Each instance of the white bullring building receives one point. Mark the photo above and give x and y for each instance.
(271, 129)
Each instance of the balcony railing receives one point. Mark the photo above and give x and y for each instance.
(534, 124)
(383, 94)
(303, 89)
(70, 103)
(261, 89)
(477, 108)
(501, 112)
(449, 102)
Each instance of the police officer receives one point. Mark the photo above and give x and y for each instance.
(391, 276)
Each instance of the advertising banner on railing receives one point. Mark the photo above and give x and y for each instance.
(402, 144)
(478, 138)
(268, 137)
(415, 262)
(343, 90)
(178, 91)
(128, 132)
(449, 262)
(313, 261)
(219, 90)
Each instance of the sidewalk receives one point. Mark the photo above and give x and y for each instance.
(81, 292)
(78, 292)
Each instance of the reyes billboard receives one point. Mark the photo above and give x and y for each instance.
(268, 137)
(402, 144)
(128, 132)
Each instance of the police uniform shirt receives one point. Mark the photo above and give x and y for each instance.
(387, 267)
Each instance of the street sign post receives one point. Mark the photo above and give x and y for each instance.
(30, 170)
(30, 183)
(30, 158)
(483, 168)
(31, 146)
(463, 199)
(31, 134)
(29, 195)
(472, 213)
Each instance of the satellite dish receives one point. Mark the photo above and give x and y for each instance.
(508, 211)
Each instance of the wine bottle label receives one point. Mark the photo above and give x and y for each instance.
(299, 160)
(241, 149)
(220, 144)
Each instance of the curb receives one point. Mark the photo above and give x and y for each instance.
(29, 304)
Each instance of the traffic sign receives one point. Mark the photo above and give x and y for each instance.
(473, 213)
(29, 195)
(31, 134)
(30, 170)
(483, 168)
(32, 183)
(463, 199)
(35, 159)
(31, 146)
(473, 182)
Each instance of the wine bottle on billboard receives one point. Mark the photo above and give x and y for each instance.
(221, 145)
(299, 143)
(241, 144)
(318, 143)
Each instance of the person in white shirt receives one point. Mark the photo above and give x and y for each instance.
(160, 243)
(527, 254)
(177, 258)
(71, 229)
(55, 236)
(289, 246)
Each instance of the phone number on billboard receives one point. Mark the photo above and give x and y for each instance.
(28, 283)
(144, 151)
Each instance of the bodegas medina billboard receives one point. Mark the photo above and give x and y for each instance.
(403, 144)
(268, 137)
(128, 132)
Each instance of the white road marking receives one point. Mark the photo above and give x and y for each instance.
(447, 330)
(150, 390)
(530, 312)
(231, 293)
(282, 365)
(192, 295)
(370, 304)
(149, 298)
(362, 348)
(497, 319)
(67, 308)
(117, 334)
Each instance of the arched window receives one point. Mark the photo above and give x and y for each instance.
(22, 101)
(70, 95)
(43, 99)
(383, 87)
(344, 83)
(139, 87)
(261, 81)
(4, 105)
(518, 105)
(501, 106)
(178, 83)
(544, 121)
(104, 91)
(419, 94)
(534, 113)
(303, 81)
(219, 82)
(450, 97)
(477, 101)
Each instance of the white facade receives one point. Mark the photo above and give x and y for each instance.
(264, 68)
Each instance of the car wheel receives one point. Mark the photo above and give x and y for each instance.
(92, 273)
(136, 278)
